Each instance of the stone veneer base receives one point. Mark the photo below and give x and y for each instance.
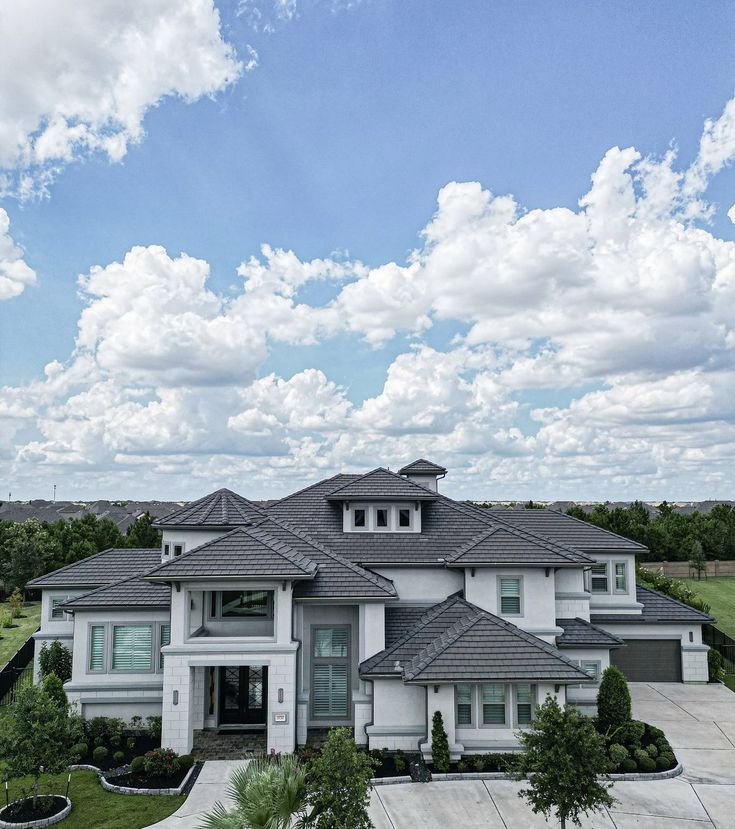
(39, 824)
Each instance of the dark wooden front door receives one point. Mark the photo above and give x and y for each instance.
(243, 695)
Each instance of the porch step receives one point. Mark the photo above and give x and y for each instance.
(227, 745)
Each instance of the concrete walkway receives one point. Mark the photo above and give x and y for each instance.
(210, 787)
(699, 722)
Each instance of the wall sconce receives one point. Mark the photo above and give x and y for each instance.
(436, 689)
(176, 697)
(280, 694)
(557, 688)
(691, 636)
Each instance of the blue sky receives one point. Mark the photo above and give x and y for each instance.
(336, 146)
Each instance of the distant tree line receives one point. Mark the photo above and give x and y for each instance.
(32, 548)
(669, 535)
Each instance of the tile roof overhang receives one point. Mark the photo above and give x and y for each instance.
(579, 633)
(134, 593)
(245, 552)
(222, 508)
(101, 568)
(456, 641)
(422, 467)
(657, 609)
(381, 485)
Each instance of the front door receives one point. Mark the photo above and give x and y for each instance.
(243, 695)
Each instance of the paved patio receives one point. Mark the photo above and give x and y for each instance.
(699, 722)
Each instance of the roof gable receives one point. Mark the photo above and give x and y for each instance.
(381, 484)
(579, 633)
(422, 467)
(513, 545)
(222, 508)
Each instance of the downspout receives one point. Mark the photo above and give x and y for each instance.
(372, 709)
(296, 679)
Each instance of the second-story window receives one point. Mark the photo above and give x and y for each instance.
(404, 518)
(510, 596)
(598, 578)
(621, 580)
(247, 604)
(359, 518)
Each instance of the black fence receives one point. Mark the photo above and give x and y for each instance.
(15, 669)
(720, 641)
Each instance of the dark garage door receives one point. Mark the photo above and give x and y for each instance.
(649, 660)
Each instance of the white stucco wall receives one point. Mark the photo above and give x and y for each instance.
(427, 585)
(189, 538)
(572, 600)
(585, 696)
(538, 607)
(399, 715)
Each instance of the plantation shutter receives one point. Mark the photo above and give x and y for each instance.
(97, 648)
(464, 704)
(621, 582)
(131, 648)
(524, 704)
(165, 640)
(599, 578)
(493, 704)
(330, 691)
(510, 596)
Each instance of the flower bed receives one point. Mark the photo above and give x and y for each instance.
(129, 782)
(21, 814)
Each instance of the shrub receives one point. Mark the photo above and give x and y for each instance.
(671, 587)
(155, 726)
(617, 753)
(655, 733)
(184, 762)
(632, 733)
(613, 701)
(664, 762)
(5, 619)
(629, 765)
(100, 755)
(16, 603)
(55, 659)
(462, 766)
(652, 750)
(647, 764)
(161, 762)
(77, 729)
(115, 740)
(478, 762)
(502, 762)
(339, 783)
(137, 765)
(399, 761)
(53, 687)
(98, 730)
(136, 723)
(79, 751)
(119, 758)
(130, 743)
(714, 665)
(439, 743)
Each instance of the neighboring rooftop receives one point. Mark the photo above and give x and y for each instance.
(102, 568)
(121, 513)
(223, 508)
(656, 608)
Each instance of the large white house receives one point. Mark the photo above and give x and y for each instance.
(369, 601)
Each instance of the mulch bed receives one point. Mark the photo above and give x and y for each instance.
(143, 744)
(144, 781)
(23, 811)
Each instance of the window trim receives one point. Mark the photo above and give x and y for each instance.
(606, 565)
(521, 603)
(159, 639)
(534, 703)
(218, 617)
(111, 649)
(65, 615)
(506, 700)
(472, 722)
(322, 660)
(615, 564)
(88, 667)
(167, 548)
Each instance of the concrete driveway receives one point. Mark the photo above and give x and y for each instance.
(699, 721)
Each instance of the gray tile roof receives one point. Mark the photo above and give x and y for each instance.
(102, 568)
(656, 608)
(381, 484)
(222, 508)
(245, 551)
(133, 592)
(564, 528)
(513, 545)
(579, 633)
(399, 620)
(455, 641)
(422, 467)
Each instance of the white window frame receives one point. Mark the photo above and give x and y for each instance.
(332, 660)
(216, 599)
(624, 564)
(519, 579)
(105, 632)
(593, 576)
(534, 704)
(473, 690)
(63, 614)
(481, 705)
(153, 649)
(167, 549)
(180, 546)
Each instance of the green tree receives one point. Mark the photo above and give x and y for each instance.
(439, 743)
(564, 756)
(141, 533)
(54, 688)
(16, 603)
(613, 701)
(697, 561)
(55, 659)
(34, 736)
(26, 553)
(339, 784)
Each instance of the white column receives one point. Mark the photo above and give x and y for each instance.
(372, 629)
(178, 704)
(281, 728)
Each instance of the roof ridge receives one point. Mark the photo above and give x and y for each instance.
(274, 544)
(88, 558)
(438, 645)
(209, 503)
(395, 475)
(472, 543)
(306, 489)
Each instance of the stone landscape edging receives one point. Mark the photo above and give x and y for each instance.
(111, 787)
(39, 824)
(501, 775)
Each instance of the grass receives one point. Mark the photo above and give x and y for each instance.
(95, 808)
(719, 593)
(11, 639)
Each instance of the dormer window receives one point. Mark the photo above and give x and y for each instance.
(382, 518)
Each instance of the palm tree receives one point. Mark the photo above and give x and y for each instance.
(268, 794)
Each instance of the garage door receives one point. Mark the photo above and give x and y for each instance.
(649, 660)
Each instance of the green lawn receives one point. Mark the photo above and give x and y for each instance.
(95, 808)
(12, 638)
(719, 593)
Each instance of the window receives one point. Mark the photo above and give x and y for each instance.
(330, 673)
(132, 648)
(621, 577)
(178, 549)
(167, 549)
(359, 518)
(510, 596)
(404, 518)
(493, 704)
(599, 578)
(524, 704)
(164, 640)
(592, 669)
(97, 647)
(463, 694)
(57, 614)
(381, 517)
(247, 604)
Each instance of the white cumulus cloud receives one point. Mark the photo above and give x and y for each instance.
(15, 273)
